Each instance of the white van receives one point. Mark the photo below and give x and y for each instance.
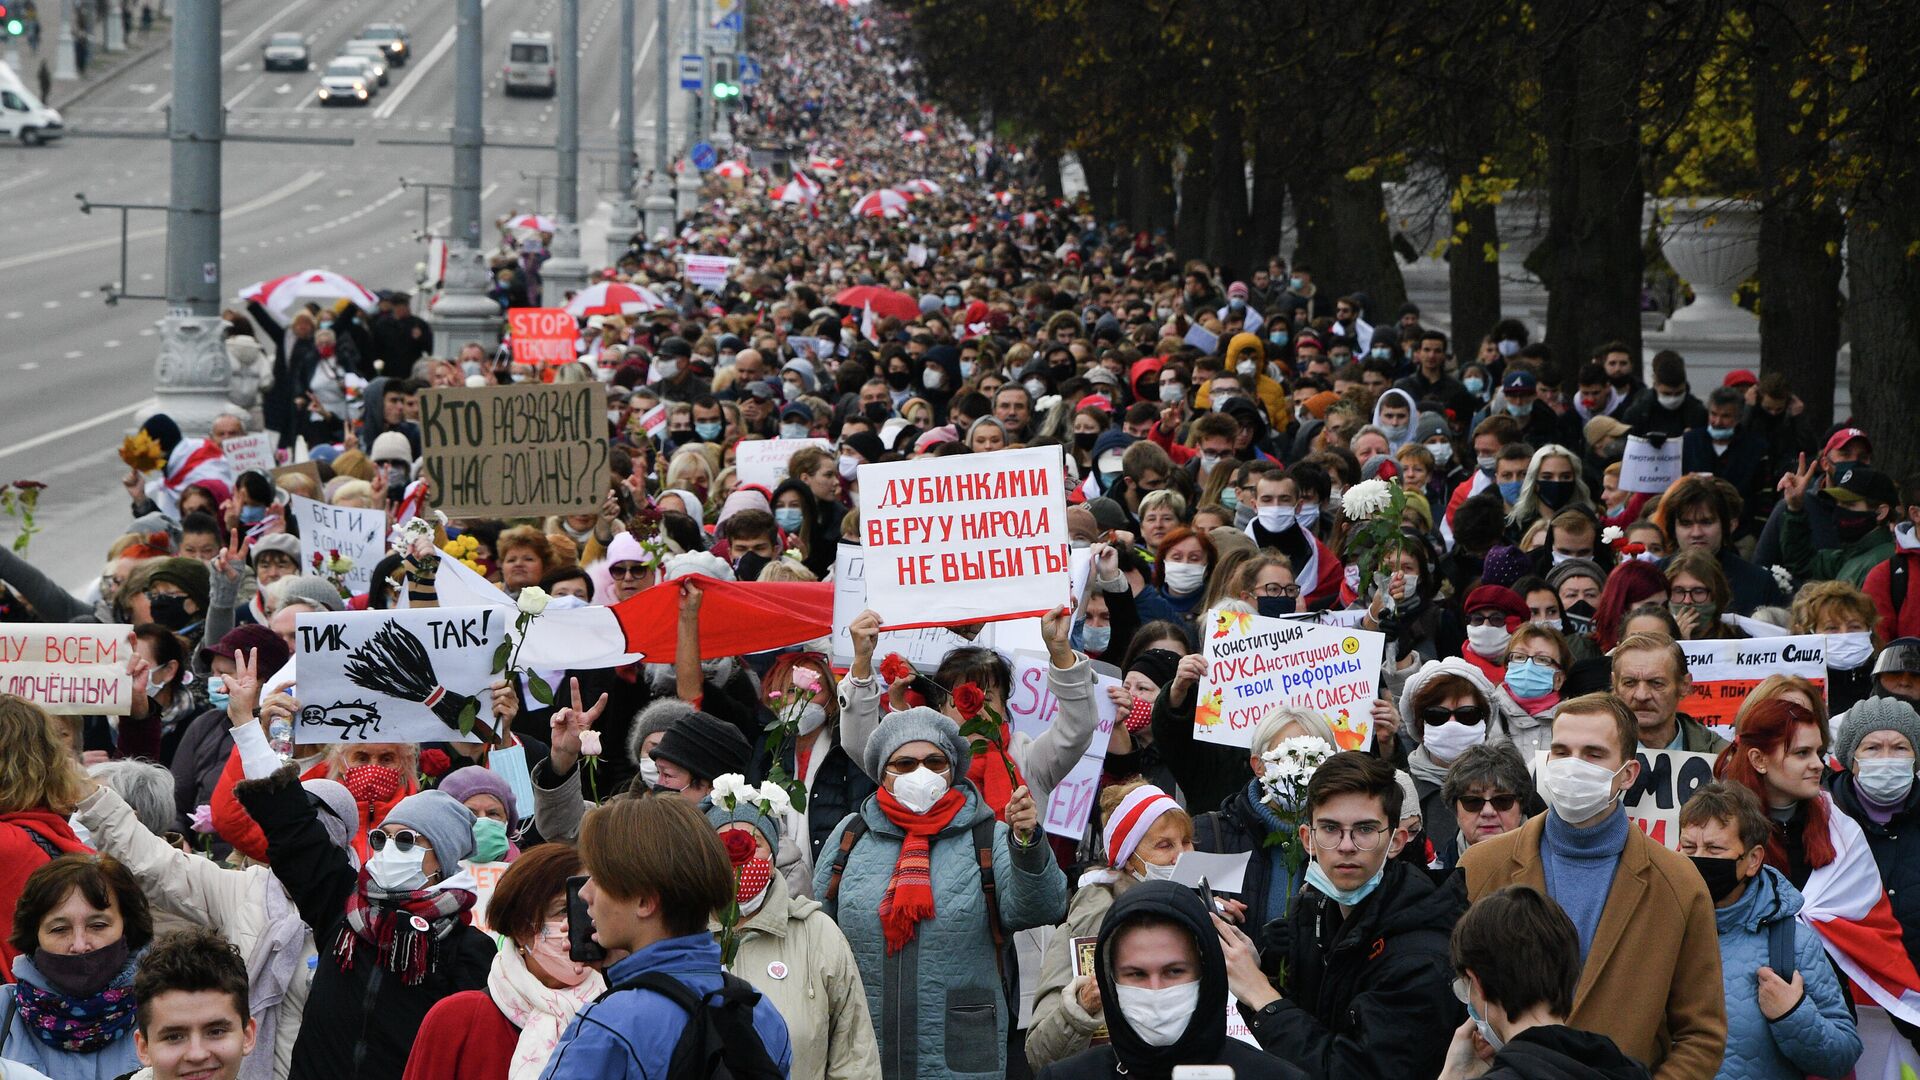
(530, 64)
(23, 115)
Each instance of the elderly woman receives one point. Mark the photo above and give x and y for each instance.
(1448, 707)
(80, 926)
(1160, 513)
(40, 784)
(525, 555)
(1490, 788)
(508, 1030)
(1531, 682)
(496, 815)
(791, 951)
(1846, 616)
(908, 885)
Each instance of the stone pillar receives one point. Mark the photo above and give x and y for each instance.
(464, 312)
(687, 192)
(66, 67)
(564, 271)
(192, 371)
(116, 32)
(660, 208)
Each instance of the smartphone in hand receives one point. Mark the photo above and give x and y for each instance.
(581, 947)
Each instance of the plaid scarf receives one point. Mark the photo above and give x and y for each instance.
(405, 929)
(78, 1025)
(909, 895)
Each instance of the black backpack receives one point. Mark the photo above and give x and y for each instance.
(719, 1041)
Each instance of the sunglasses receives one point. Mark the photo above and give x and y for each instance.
(1435, 715)
(403, 841)
(1473, 804)
(626, 570)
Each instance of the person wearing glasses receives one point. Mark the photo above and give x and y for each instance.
(1366, 985)
(1448, 707)
(1490, 789)
(1536, 674)
(394, 937)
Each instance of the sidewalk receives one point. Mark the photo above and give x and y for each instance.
(102, 65)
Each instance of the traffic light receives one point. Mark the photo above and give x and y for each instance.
(726, 91)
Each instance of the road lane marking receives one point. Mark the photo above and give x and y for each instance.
(263, 201)
(418, 70)
(71, 429)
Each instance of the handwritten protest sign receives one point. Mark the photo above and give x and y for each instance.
(308, 469)
(1032, 708)
(1725, 671)
(542, 335)
(68, 669)
(358, 534)
(396, 676)
(252, 452)
(516, 451)
(1668, 778)
(486, 876)
(708, 271)
(764, 461)
(1255, 663)
(924, 647)
(1649, 468)
(967, 539)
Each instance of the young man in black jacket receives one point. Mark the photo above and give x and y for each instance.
(1367, 989)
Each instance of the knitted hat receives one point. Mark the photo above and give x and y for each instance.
(1505, 565)
(1156, 664)
(918, 724)
(704, 745)
(1129, 822)
(659, 716)
(750, 814)
(339, 814)
(307, 589)
(189, 574)
(1409, 796)
(1498, 596)
(1431, 423)
(235, 643)
(442, 820)
(1318, 404)
(466, 782)
(1871, 715)
(1570, 569)
(391, 446)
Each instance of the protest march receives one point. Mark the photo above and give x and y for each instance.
(927, 631)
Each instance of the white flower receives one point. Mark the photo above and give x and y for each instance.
(1610, 534)
(774, 799)
(732, 788)
(1046, 403)
(533, 600)
(589, 743)
(1782, 577)
(1367, 498)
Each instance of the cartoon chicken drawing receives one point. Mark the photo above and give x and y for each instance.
(1226, 622)
(1206, 711)
(1344, 732)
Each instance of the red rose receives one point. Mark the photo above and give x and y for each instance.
(740, 846)
(895, 667)
(29, 485)
(434, 763)
(968, 700)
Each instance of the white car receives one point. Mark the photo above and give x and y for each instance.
(373, 54)
(346, 82)
(286, 51)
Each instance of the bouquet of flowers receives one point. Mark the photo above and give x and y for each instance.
(1373, 545)
(787, 707)
(19, 499)
(334, 567)
(142, 453)
(732, 791)
(1288, 767)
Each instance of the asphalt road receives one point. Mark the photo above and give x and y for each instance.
(77, 374)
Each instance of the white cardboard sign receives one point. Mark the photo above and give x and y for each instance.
(68, 669)
(359, 533)
(395, 676)
(764, 461)
(1648, 468)
(1255, 663)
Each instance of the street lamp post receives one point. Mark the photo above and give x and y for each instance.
(626, 217)
(660, 190)
(565, 271)
(464, 312)
(191, 373)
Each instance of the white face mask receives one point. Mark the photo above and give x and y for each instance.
(1154, 871)
(1185, 579)
(392, 870)
(748, 907)
(1671, 401)
(1308, 515)
(1442, 453)
(1036, 388)
(1161, 1016)
(1275, 518)
(1551, 624)
(1171, 393)
(1578, 791)
(793, 431)
(1245, 368)
(649, 771)
(1489, 641)
(1507, 348)
(812, 717)
(1884, 780)
(932, 377)
(1846, 652)
(920, 789)
(1446, 742)
(849, 466)
(665, 369)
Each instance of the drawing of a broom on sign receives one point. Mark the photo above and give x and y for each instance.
(394, 663)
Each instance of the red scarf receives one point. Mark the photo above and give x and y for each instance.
(405, 930)
(989, 773)
(909, 895)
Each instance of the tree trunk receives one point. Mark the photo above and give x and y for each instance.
(1153, 201)
(1315, 242)
(1883, 312)
(1473, 278)
(1230, 229)
(1364, 260)
(1269, 196)
(1591, 260)
(1196, 198)
(1799, 268)
(1099, 171)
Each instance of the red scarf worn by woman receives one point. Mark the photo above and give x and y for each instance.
(994, 774)
(909, 895)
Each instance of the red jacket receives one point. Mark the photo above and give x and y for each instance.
(1879, 585)
(464, 1037)
(20, 856)
(230, 819)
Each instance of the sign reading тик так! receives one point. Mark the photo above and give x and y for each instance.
(516, 451)
(966, 539)
(68, 668)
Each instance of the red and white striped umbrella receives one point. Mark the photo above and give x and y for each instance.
(914, 136)
(733, 170)
(885, 202)
(826, 165)
(1002, 197)
(282, 295)
(919, 187)
(532, 223)
(613, 298)
(802, 189)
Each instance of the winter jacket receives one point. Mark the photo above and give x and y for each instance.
(1656, 934)
(198, 760)
(794, 954)
(1043, 761)
(1369, 994)
(231, 821)
(1646, 415)
(1269, 885)
(25, 838)
(630, 1034)
(1503, 719)
(1816, 1037)
(47, 599)
(23, 1046)
(1557, 1052)
(360, 1021)
(1060, 1028)
(1896, 851)
(464, 1037)
(1898, 617)
(937, 1004)
(1739, 464)
(1847, 562)
(249, 908)
(836, 786)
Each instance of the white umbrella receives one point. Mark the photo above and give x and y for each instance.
(919, 187)
(532, 223)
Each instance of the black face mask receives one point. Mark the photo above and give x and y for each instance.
(1579, 618)
(878, 412)
(749, 566)
(1272, 607)
(1621, 381)
(1721, 875)
(1854, 524)
(899, 380)
(1084, 440)
(84, 975)
(1060, 372)
(169, 610)
(1554, 493)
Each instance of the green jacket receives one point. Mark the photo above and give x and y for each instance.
(1694, 736)
(1849, 563)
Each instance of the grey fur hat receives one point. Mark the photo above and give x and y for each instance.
(656, 717)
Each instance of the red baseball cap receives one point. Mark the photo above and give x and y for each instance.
(1740, 377)
(1844, 436)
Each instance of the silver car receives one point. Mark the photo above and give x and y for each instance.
(373, 54)
(346, 82)
(286, 51)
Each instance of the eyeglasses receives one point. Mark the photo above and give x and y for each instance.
(1690, 596)
(1366, 835)
(1435, 715)
(1545, 661)
(1283, 591)
(1487, 618)
(1502, 802)
(403, 840)
(901, 766)
(626, 570)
